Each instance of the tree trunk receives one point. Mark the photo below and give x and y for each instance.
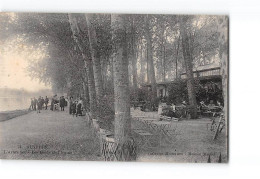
(95, 57)
(150, 58)
(142, 65)
(96, 64)
(88, 67)
(134, 60)
(91, 88)
(177, 56)
(222, 26)
(121, 91)
(189, 67)
(147, 66)
(85, 94)
(164, 61)
(163, 54)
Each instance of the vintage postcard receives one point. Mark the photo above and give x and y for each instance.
(114, 87)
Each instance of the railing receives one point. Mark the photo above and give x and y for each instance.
(203, 73)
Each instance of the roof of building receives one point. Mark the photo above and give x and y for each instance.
(178, 80)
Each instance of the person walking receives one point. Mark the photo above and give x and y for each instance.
(46, 101)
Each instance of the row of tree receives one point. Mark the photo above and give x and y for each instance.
(103, 56)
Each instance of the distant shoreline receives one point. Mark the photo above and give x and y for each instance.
(7, 115)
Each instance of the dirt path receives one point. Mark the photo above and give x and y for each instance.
(48, 135)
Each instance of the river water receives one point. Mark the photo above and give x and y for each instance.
(10, 104)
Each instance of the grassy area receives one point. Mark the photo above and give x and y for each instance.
(6, 115)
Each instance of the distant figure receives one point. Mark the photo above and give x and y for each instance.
(55, 102)
(184, 109)
(70, 104)
(31, 106)
(79, 107)
(202, 104)
(184, 104)
(42, 102)
(74, 108)
(39, 105)
(211, 104)
(52, 104)
(168, 112)
(160, 108)
(219, 105)
(62, 103)
(46, 101)
(173, 106)
(34, 103)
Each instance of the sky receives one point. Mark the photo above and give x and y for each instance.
(13, 64)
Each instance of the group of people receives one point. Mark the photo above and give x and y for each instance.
(55, 102)
(76, 106)
(38, 104)
(169, 110)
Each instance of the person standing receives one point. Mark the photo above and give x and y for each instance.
(31, 106)
(62, 103)
(42, 101)
(39, 105)
(34, 103)
(79, 108)
(52, 104)
(46, 101)
(70, 104)
(74, 108)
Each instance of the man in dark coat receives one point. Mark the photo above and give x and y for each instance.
(42, 102)
(52, 104)
(62, 103)
(70, 104)
(46, 101)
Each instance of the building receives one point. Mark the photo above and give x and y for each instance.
(209, 77)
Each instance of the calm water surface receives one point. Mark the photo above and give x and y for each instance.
(9, 104)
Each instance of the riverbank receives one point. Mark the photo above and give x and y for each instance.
(6, 115)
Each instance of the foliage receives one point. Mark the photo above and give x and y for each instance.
(63, 66)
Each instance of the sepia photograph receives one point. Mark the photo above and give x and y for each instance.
(114, 87)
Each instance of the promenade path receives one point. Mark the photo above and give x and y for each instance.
(48, 135)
